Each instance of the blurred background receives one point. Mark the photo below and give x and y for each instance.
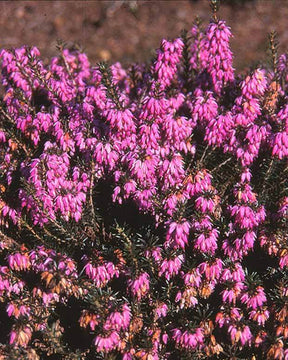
(131, 30)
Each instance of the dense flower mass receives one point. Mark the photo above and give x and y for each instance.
(143, 211)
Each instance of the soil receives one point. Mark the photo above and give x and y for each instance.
(130, 30)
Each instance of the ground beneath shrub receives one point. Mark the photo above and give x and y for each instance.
(131, 30)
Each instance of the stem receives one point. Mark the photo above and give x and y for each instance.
(19, 143)
(8, 239)
(214, 4)
(45, 84)
(30, 228)
(266, 176)
(107, 82)
(204, 154)
(129, 242)
(68, 69)
(24, 223)
(222, 164)
(54, 222)
(91, 203)
(53, 236)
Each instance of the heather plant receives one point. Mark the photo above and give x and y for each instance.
(143, 210)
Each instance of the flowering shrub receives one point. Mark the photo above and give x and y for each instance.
(144, 210)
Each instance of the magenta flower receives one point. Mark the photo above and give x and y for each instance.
(171, 267)
(118, 320)
(260, 316)
(108, 343)
(139, 287)
(142, 197)
(255, 299)
(240, 334)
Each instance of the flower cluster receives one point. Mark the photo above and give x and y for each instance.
(143, 211)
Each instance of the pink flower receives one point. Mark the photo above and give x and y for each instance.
(140, 286)
(254, 299)
(108, 343)
(171, 267)
(231, 293)
(177, 235)
(102, 274)
(21, 336)
(161, 310)
(168, 57)
(188, 339)
(19, 261)
(207, 242)
(240, 333)
(193, 278)
(118, 320)
(212, 270)
(260, 315)
(187, 298)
